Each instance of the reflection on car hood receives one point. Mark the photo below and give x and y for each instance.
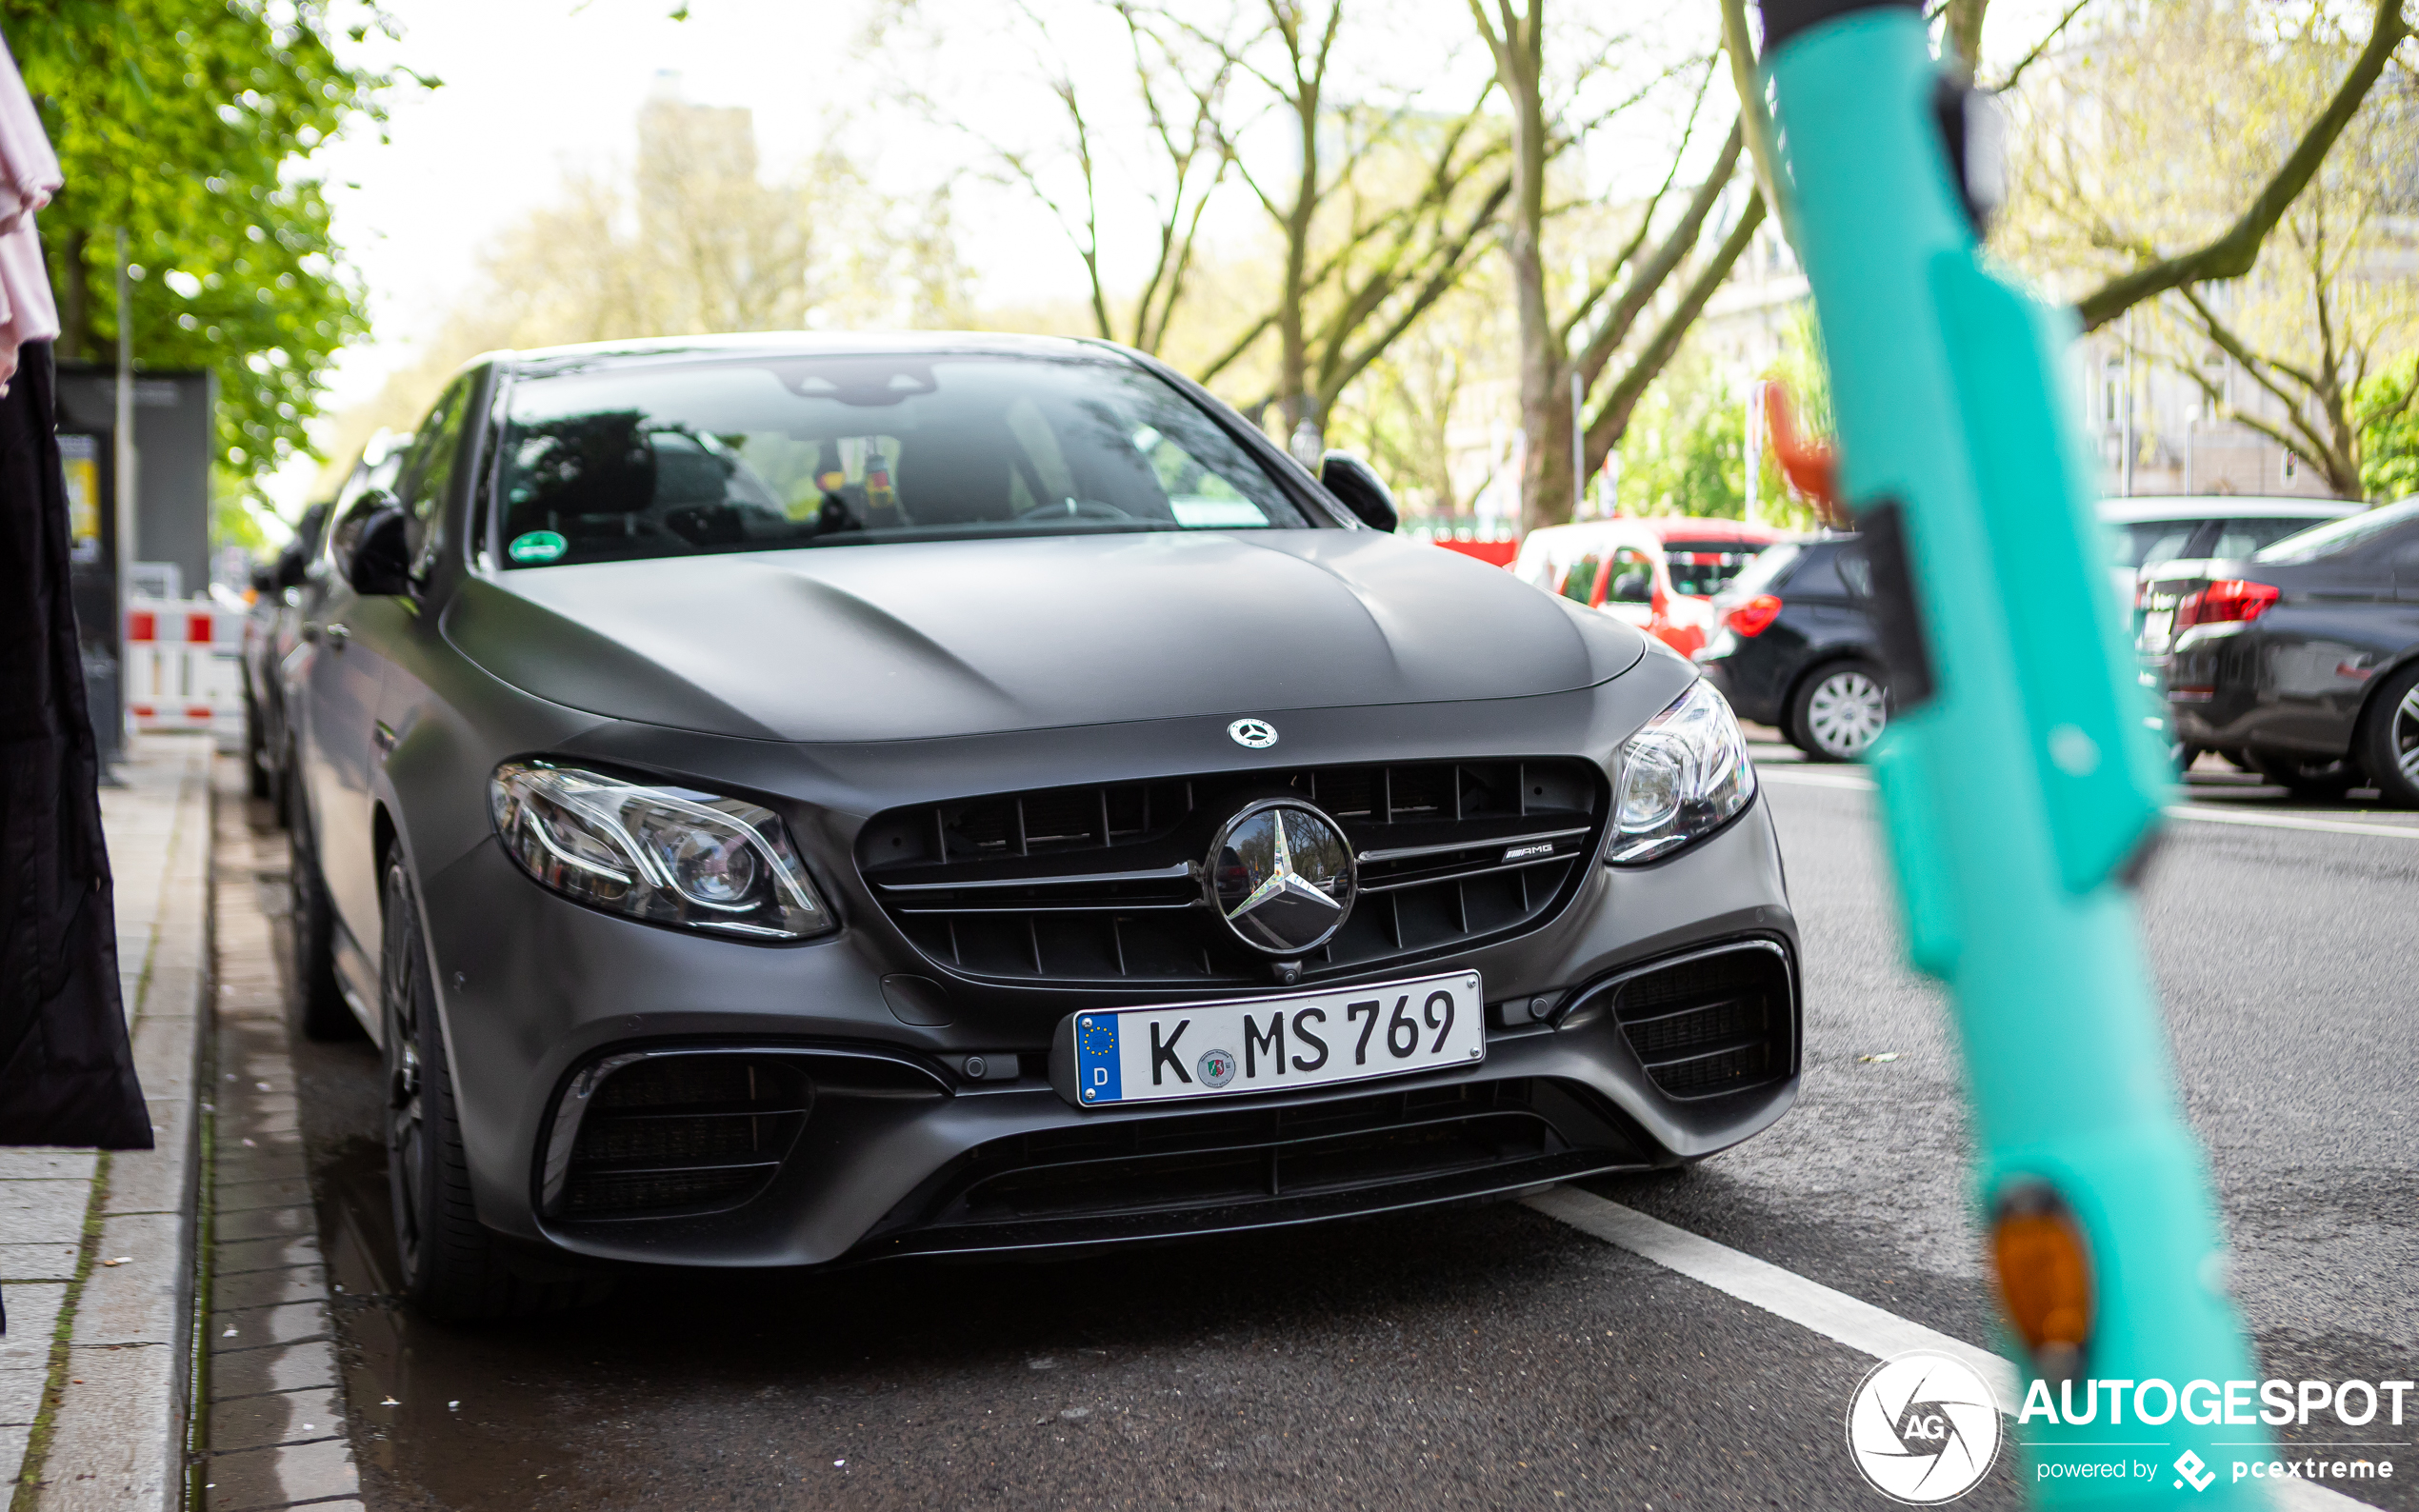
(911, 641)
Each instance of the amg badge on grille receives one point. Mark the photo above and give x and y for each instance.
(1281, 875)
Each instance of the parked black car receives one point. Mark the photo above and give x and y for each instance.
(800, 800)
(1795, 648)
(282, 588)
(2303, 657)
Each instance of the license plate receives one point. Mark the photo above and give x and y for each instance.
(1268, 1044)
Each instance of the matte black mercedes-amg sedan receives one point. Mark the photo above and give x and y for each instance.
(788, 801)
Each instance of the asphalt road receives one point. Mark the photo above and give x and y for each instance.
(1472, 1357)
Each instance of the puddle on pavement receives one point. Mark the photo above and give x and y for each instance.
(498, 1448)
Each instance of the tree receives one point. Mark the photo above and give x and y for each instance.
(1174, 165)
(2221, 236)
(2284, 344)
(2389, 431)
(1604, 312)
(190, 124)
(1379, 210)
(696, 240)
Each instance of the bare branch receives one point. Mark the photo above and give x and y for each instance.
(2236, 252)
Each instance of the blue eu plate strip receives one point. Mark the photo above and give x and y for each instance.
(1096, 1070)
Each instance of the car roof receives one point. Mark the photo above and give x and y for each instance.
(1689, 528)
(811, 344)
(2141, 509)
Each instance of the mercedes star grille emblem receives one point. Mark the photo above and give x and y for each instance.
(1253, 734)
(1281, 876)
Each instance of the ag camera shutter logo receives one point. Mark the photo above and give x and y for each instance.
(1922, 1428)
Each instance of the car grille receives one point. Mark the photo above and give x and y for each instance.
(1715, 1022)
(684, 1134)
(1136, 1177)
(1103, 883)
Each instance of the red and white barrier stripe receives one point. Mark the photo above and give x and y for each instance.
(184, 665)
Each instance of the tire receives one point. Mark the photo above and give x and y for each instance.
(2389, 743)
(450, 1265)
(2308, 776)
(1839, 710)
(319, 1002)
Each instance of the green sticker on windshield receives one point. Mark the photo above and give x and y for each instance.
(538, 545)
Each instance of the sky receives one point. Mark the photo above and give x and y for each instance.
(533, 90)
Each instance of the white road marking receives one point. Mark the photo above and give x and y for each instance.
(1835, 1314)
(2192, 811)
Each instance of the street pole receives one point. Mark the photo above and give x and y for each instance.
(2020, 787)
(122, 472)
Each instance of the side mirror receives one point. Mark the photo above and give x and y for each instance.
(379, 562)
(1350, 479)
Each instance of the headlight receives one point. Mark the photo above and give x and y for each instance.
(664, 854)
(1682, 776)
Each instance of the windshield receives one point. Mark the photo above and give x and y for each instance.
(1705, 567)
(614, 462)
(2348, 533)
(2148, 543)
(1768, 564)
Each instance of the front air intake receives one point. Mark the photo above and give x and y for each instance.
(661, 1135)
(1709, 1022)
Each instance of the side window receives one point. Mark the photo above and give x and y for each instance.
(428, 473)
(1633, 577)
(1818, 576)
(1579, 584)
(1855, 572)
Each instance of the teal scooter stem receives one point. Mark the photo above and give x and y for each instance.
(2021, 784)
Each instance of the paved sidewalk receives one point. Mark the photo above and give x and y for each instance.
(96, 1251)
(274, 1393)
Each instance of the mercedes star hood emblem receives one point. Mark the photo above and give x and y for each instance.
(1281, 875)
(1252, 734)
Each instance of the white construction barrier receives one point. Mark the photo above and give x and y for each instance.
(185, 666)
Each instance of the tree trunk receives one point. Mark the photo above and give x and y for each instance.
(1293, 356)
(1545, 409)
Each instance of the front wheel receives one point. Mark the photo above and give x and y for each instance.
(1840, 710)
(2391, 743)
(450, 1265)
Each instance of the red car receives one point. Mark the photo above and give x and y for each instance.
(1659, 574)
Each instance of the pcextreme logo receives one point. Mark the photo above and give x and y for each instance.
(1922, 1428)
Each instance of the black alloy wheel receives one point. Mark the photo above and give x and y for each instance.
(449, 1263)
(2308, 776)
(2390, 739)
(319, 1002)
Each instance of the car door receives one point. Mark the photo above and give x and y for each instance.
(437, 469)
(352, 638)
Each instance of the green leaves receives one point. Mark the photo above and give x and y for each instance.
(188, 122)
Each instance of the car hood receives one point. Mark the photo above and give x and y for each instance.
(928, 639)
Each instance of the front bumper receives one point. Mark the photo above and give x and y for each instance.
(534, 989)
